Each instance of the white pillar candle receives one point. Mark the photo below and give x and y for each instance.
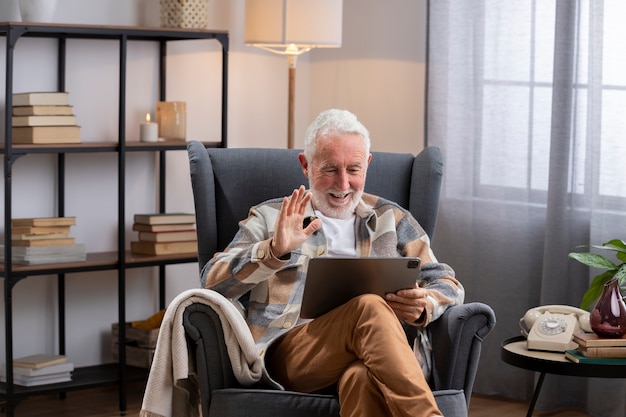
(148, 131)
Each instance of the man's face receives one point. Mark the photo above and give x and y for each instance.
(337, 174)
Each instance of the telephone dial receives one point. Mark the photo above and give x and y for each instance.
(551, 327)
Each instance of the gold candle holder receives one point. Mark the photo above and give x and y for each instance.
(171, 117)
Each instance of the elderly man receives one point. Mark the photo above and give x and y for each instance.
(360, 347)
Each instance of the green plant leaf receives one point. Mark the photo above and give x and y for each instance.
(595, 289)
(617, 245)
(593, 260)
(598, 261)
(614, 245)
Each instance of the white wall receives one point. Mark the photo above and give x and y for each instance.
(378, 73)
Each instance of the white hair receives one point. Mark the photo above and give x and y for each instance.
(333, 122)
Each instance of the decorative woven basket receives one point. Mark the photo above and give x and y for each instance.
(187, 14)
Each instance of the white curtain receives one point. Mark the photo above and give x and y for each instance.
(527, 100)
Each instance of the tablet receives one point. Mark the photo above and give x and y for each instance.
(330, 282)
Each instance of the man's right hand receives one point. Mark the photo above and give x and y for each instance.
(289, 232)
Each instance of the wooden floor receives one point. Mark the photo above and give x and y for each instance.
(103, 402)
(483, 406)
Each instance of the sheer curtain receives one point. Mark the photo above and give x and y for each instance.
(527, 100)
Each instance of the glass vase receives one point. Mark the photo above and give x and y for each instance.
(608, 315)
(171, 116)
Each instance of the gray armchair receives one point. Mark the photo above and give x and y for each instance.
(226, 183)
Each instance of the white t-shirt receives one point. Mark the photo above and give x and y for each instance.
(340, 235)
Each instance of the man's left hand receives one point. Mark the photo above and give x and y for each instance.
(408, 304)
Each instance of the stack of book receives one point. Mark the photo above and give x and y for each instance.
(42, 240)
(40, 369)
(43, 117)
(595, 349)
(165, 233)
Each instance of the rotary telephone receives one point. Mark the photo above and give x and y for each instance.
(551, 327)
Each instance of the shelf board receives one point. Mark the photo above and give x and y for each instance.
(141, 33)
(101, 261)
(62, 148)
(165, 145)
(83, 377)
(87, 147)
(134, 260)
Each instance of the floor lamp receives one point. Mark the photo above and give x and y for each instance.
(291, 28)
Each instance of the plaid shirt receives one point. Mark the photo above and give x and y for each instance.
(383, 228)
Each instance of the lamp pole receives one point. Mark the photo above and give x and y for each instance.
(292, 108)
(291, 28)
(292, 57)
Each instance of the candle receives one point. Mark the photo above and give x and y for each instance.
(148, 131)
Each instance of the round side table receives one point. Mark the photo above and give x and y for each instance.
(514, 352)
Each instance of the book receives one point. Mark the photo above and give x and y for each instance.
(43, 120)
(35, 98)
(31, 381)
(38, 236)
(24, 255)
(593, 340)
(44, 250)
(43, 221)
(39, 360)
(60, 368)
(36, 230)
(165, 218)
(168, 236)
(163, 248)
(65, 241)
(603, 352)
(45, 134)
(575, 356)
(139, 227)
(43, 110)
(57, 259)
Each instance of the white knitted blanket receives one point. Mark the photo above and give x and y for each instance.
(169, 391)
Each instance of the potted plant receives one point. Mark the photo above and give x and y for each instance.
(611, 269)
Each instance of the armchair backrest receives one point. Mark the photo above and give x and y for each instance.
(226, 182)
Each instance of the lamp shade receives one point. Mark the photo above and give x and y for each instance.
(305, 23)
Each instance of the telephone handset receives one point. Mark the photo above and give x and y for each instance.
(551, 327)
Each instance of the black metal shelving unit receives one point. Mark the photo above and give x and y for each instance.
(120, 260)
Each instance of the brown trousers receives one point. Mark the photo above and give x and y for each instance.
(361, 348)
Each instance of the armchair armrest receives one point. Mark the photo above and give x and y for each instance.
(456, 338)
(205, 340)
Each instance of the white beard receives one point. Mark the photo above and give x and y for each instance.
(320, 203)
